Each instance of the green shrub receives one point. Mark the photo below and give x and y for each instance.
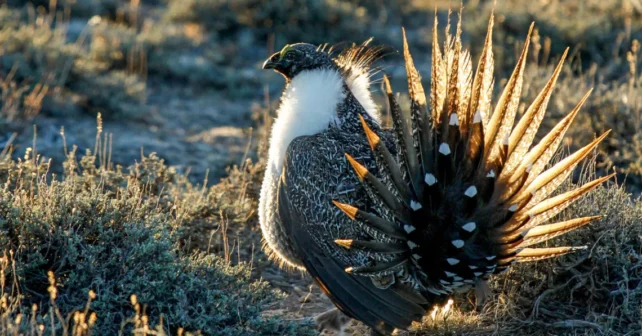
(594, 292)
(316, 21)
(38, 53)
(120, 234)
(614, 104)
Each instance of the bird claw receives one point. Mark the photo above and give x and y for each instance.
(332, 320)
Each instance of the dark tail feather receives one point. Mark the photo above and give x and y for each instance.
(467, 192)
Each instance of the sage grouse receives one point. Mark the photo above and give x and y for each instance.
(390, 221)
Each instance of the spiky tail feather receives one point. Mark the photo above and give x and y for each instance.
(465, 197)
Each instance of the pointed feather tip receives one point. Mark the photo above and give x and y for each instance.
(435, 33)
(565, 54)
(511, 91)
(373, 138)
(570, 195)
(583, 100)
(347, 209)
(584, 151)
(605, 178)
(347, 243)
(435, 16)
(406, 48)
(527, 42)
(387, 85)
(358, 168)
(557, 71)
(529, 121)
(548, 252)
(565, 122)
(489, 30)
(460, 16)
(410, 66)
(592, 184)
(606, 133)
(597, 141)
(571, 116)
(556, 228)
(530, 29)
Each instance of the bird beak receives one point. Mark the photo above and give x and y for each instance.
(279, 62)
(274, 62)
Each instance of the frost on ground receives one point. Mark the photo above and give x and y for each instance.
(161, 200)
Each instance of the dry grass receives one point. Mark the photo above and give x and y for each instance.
(114, 234)
(594, 293)
(61, 66)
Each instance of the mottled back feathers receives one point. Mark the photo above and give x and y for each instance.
(390, 221)
(467, 193)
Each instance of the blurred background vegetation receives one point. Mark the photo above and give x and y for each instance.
(133, 136)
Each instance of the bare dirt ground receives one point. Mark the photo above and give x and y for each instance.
(201, 130)
(305, 300)
(200, 133)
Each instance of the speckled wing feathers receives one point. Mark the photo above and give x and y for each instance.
(388, 222)
(465, 188)
(356, 296)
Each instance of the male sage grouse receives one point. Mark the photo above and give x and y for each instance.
(390, 221)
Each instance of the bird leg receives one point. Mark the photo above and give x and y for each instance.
(332, 320)
(482, 292)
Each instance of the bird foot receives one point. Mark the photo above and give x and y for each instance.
(332, 320)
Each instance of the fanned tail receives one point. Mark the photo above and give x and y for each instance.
(464, 194)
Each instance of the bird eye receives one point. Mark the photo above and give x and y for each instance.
(286, 51)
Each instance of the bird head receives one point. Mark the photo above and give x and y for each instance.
(295, 58)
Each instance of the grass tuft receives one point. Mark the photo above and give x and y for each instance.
(115, 234)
